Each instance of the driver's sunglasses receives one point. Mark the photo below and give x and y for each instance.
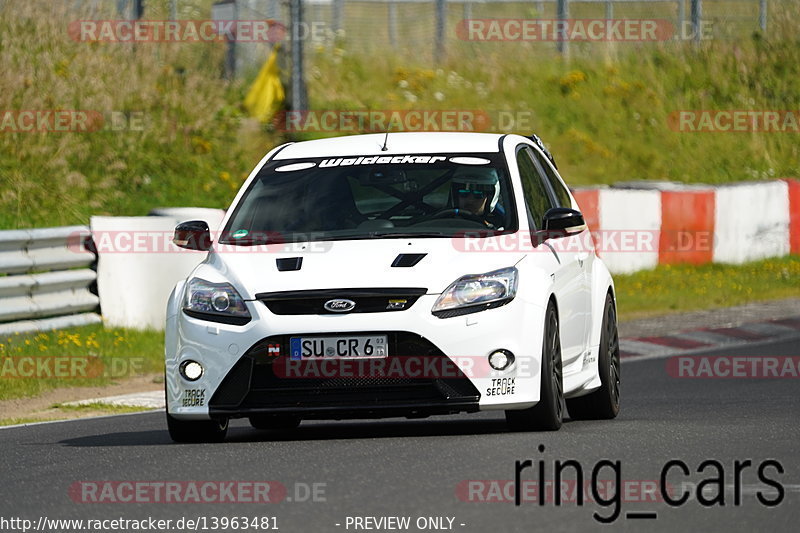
(476, 193)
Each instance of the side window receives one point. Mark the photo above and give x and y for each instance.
(562, 196)
(536, 196)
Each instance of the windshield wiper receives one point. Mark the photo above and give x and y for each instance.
(404, 235)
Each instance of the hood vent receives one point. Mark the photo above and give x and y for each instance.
(287, 264)
(407, 260)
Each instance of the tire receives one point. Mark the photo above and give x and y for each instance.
(275, 422)
(547, 415)
(602, 404)
(197, 430)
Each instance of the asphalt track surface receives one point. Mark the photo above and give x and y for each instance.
(413, 467)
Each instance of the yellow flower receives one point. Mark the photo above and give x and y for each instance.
(200, 145)
(570, 80)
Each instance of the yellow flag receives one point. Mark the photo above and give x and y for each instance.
(266, 96)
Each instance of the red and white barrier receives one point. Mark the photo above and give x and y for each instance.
(695, 224)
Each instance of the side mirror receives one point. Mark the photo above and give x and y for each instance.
(562, 222)
(193, 235)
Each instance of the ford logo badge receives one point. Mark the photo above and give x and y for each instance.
(340, 305)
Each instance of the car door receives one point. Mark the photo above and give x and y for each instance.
(568, 277)
(580, 246)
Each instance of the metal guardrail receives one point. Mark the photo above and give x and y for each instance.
(47, 279)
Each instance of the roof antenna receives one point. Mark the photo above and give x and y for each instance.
(386, 139)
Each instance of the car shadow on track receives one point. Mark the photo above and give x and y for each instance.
(152, 437)
(311, 431)
(345, 430)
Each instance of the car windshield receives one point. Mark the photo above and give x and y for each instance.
(362, 197)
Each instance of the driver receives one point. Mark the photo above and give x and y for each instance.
(475, 192)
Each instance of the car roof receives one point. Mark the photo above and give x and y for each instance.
(399, 143)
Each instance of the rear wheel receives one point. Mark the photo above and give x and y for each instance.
(274, 422)
(604, 402)
(548, 414)
(197, 430)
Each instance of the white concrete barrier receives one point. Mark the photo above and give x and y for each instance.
(637, 211)
(138, 265)
(751, 221)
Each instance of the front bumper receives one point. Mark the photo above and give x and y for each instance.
(263, 384)
(240, 377)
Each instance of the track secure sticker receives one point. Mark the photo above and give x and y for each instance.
(194, 398)
(239, 233)
(501, 387)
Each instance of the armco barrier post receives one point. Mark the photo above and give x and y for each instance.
(697, 19)
(441, 16)
(562, 14)
(298, 86)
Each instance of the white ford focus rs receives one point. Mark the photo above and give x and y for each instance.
(408, 274)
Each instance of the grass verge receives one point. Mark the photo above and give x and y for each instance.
(24, 420)
(100, 407)
(678, 288)
(79, 357)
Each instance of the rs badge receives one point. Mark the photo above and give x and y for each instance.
(396, 305)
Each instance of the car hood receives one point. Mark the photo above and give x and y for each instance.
(350, 264)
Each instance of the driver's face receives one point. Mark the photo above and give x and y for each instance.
(471, 204)
(471, 199)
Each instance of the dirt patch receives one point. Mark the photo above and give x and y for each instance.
(41, 407)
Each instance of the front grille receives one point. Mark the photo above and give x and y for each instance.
(257, 383)
(312, 302)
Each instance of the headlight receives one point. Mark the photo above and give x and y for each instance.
(474, 293)
(217, 302)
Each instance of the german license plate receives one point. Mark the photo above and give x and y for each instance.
(350, 347)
